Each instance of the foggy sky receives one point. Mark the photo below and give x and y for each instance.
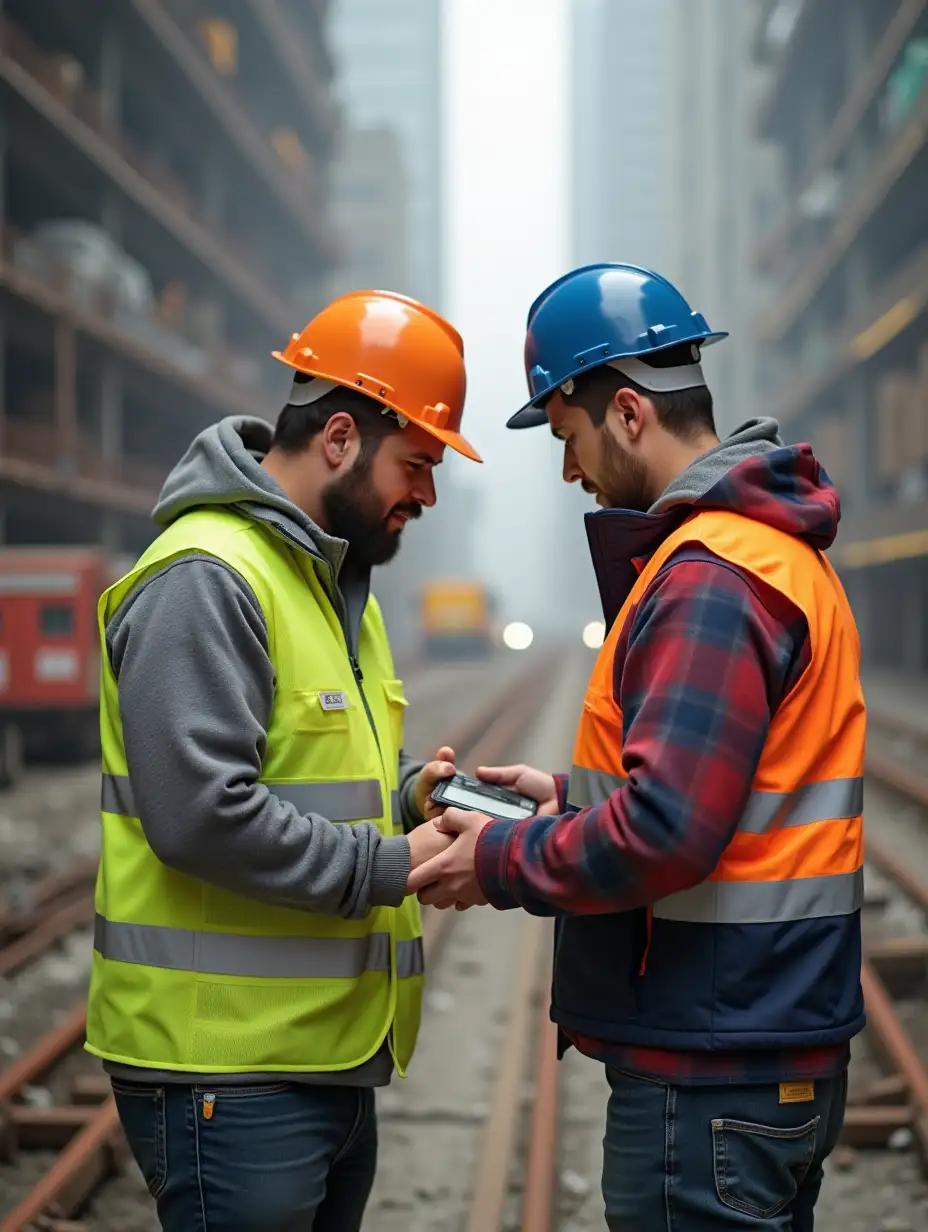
(507, 184)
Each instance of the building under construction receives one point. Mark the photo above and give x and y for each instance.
(843, 251)
(164, 168)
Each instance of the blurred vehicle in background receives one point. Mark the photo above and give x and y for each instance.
(456, 618)
(91, 261)
(49, 652)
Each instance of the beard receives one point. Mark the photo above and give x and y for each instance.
(623, 478)
(354, 512)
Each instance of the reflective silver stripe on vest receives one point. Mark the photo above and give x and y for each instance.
(180, 949)
(410, 958)
(588, 787)
(352, 800)
(765, 902)
(116, 795)
(825, 801)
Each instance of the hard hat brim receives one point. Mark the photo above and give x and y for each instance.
(531, 415)
(454, 440)
(528, 416)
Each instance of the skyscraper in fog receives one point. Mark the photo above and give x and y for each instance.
(662, 166)
(715, 164)
(623, 113)
(664, 159)
(621, 209)
(389, 75)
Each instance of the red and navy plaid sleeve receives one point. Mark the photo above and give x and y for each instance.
(708, 655)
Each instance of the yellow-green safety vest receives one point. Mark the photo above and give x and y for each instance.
(188, 976)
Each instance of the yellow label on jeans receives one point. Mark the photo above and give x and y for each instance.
(796, 1092)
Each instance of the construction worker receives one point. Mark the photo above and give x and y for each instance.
(704, 856)
(257, 971)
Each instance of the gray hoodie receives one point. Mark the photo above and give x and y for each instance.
(189, 648)
(751, 439)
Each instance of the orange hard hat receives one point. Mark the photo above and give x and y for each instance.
(396, 351)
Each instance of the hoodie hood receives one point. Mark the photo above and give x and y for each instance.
(223, 467)
(751, 472)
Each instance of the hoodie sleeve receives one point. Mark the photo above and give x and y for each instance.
(410, 769)
(196, 686)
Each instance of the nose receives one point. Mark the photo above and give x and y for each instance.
(423, 490)
(571, 472)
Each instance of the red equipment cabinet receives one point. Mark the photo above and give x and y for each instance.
(49, 652)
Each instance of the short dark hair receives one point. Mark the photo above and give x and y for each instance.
(685, 413)
(297, 425)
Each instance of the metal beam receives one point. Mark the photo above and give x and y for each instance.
(101, 494)
(884, 174)
(225, 399)
(201, 241)
(304, 76)
(239, 126)
(66, 429)
(782, 62)
(852, 341)
(845, 123)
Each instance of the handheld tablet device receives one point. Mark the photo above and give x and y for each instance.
(461, 791)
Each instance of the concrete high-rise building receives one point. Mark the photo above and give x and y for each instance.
(663, 160)
(621, 204)
(623, 113)
(714, 162)
(388, 203)
(369, 206)
(388, 58)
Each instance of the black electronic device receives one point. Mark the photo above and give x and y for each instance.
(461, 791)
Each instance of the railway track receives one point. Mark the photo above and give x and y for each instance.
(82, 1126)
(895, 964)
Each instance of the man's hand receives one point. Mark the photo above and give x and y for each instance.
(425, 843)
(441, 768)
(535, 784)
(450, 879)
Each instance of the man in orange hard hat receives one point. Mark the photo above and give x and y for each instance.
(257, 971)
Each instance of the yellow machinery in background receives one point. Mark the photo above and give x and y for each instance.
(456, 619)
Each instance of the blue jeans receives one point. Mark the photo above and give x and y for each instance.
(714, 1158)
(282, 1157)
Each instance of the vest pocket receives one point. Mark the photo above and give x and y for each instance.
(759, 1168)
(396, 709)
(310, 715)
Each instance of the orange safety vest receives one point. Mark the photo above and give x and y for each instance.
(782, 906)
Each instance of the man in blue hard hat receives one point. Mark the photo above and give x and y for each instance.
(705, 854)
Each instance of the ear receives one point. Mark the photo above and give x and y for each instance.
(627, 414)
(341, 440)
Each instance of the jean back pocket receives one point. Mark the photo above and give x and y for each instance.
(759, 1168)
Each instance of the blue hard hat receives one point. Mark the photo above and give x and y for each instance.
(596, 314)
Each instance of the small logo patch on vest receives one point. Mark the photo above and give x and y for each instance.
(797, 1092)
(333, 701)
